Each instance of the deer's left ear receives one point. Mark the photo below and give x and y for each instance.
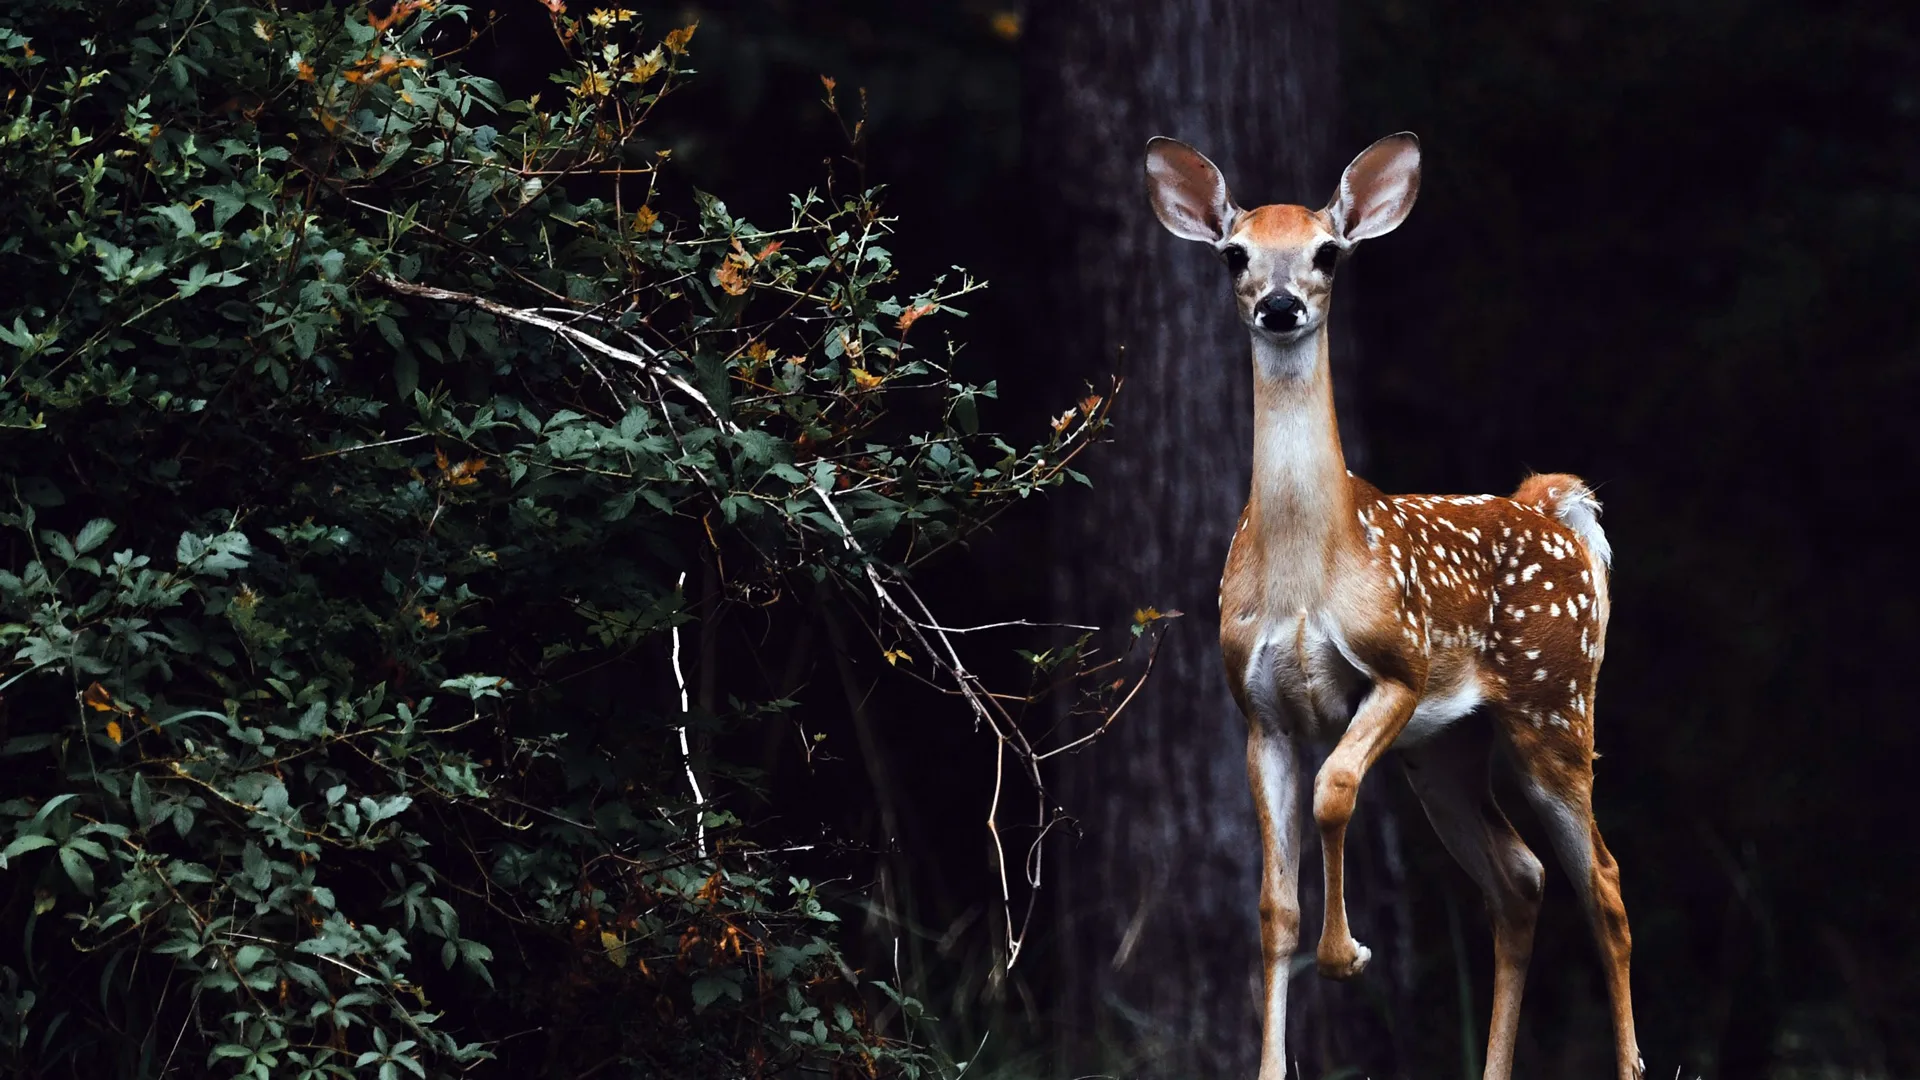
(1377, 191)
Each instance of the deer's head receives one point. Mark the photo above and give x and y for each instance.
(1283, 257)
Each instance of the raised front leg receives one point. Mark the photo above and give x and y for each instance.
(1378, 722)
(1273, 769)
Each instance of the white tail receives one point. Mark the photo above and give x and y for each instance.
(1426, 609)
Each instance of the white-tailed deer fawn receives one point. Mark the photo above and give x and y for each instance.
(1378, 621)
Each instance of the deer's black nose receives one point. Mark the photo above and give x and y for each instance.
(1280, 311)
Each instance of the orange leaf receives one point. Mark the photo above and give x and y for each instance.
(766, 251)
(396, 14)
(97, 698)
(113, 732)
(912, 315)
(644, 219)
(730, 279)
(463, 474)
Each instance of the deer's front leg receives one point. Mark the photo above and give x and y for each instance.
(1273, 769)
(1377, 723)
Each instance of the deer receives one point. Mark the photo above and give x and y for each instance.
(1375, 622)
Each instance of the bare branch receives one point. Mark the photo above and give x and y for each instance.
(572, 334)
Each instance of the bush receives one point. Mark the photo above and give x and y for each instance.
(370, 439)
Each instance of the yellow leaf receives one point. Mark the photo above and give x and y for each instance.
(1146, 615)
(592, 84)
(894, 656)
(865, 379)
(644, 219)
(616, 948)
(113, 732)
(644, 67)
(677, 39)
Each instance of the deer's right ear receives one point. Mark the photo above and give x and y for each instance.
(1187, 191)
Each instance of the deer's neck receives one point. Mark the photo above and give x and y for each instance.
(1301, 503)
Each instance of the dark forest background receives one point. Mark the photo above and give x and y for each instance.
(1667, 246)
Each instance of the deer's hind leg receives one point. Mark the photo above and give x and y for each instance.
(1451, 773)
(1558, 777)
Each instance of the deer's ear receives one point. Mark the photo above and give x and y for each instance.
(1187, 191)
(1377, 190)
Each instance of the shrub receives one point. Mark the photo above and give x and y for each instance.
(370, 439)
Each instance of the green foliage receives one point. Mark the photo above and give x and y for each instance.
(362, 429)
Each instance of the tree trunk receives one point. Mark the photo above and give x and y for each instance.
(1155, 901)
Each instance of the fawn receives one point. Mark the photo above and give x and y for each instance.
(1377, 621)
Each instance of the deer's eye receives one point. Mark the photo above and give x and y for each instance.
(1236, 257)
(1325, 258)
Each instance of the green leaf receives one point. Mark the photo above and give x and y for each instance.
(710, 988)
(406, 374)
(92, 535)
(22, 845)
(141, 798)
(179, 217)
(77, 869)
(47, 808)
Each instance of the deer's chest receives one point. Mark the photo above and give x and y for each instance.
(1293, 671)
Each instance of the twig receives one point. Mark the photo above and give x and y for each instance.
(686, 752)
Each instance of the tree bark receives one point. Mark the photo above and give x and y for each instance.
(1155, 901)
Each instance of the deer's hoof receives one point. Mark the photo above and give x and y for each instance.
(1345, 960)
